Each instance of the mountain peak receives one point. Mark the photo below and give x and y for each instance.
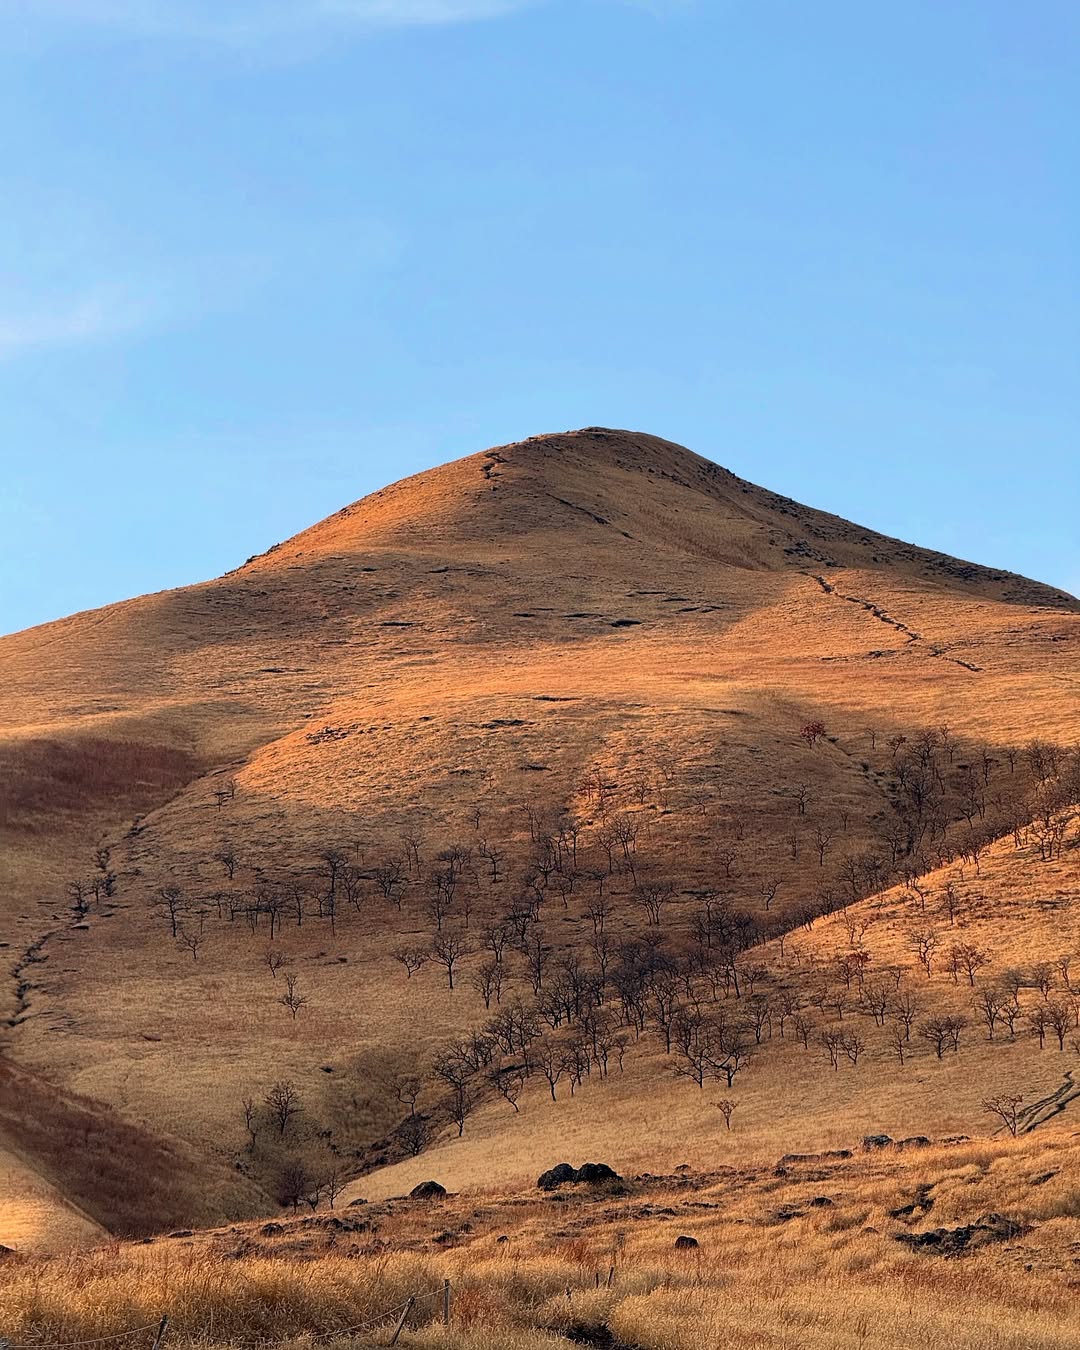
(623, 499)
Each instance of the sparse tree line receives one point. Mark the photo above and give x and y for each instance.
(658, 957)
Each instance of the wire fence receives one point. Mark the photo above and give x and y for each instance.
(160, 1328)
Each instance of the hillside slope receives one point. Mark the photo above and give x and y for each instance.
(600, 628)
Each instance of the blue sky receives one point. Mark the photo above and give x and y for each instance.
(259, 258)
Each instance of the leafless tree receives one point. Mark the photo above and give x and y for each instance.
(251, 1120)
(904, 1009)
(448, 950)
(413, 1133)
(292, 998)
(488, 982)
(653, 896)
(192, 941)
(226, 855)
(509, 1084)
(494, 858)
(853, 1045)
(333, 1183)
(551, 1063)
(925, 942)
(988, 1005)
(726, 1107)
(412, 958)
(407, 1088)
(1007, 1107)
(171, 900)
(833, 1042)
(966, 957)
(274, 960)
(283, 1101)
(1059, 1018)
(804, 1029)
(1010, 1013)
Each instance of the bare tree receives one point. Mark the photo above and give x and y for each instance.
(274, 960)
(251, 1119)
(333, 1183)
(488, 982)
(1059, 1018)
(551, 1063)
(283, 1101)
(925, 942)
(726, 1107)
(1007, 1107)
(988, 1005)
(407, 1088)
(226, 855)
(171, 900)
(653, 895)
(413, 1133)
(905, 1009)
(448, 950)
(457, 1076)
(509, 1083)
(192, 941)
(292, 998)
(412, 958)
(966, 957)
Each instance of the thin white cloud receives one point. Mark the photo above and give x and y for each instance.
(93, 317)
(252, 19)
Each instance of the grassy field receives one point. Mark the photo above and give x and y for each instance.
(810, 1258)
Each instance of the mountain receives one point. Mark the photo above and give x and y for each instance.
(599, 631)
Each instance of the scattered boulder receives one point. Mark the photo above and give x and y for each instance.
(914, 1141)
(956, 1241)
(427, 1190)
(875, 1141)
(685, 1243)
(358, 1201)
(556, 1176)
(821, 1202)
(271, 1229)
(595, 1173)
(1043, 1178)
(181, 1232)
(591, 1174)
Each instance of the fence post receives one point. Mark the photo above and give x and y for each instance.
(163, 1327)
(446, 1303)
(401, 1321)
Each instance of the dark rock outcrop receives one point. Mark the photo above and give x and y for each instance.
(427, 1190)
(956, 1241)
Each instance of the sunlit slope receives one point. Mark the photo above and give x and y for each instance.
(439, 659)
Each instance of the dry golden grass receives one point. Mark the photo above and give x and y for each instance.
(772, 1268)
(409, 624)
